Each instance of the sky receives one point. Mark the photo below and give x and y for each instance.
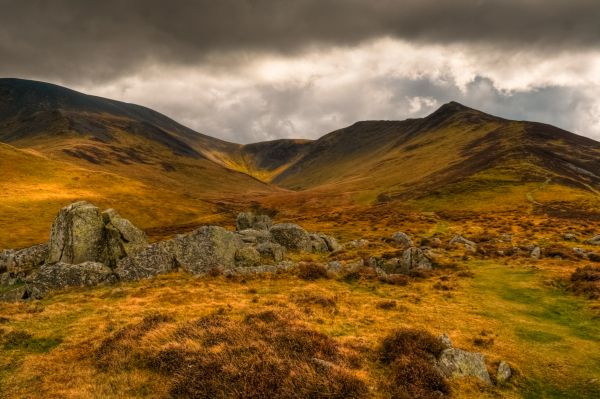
(255, 70)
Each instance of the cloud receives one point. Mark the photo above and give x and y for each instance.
(88, 40)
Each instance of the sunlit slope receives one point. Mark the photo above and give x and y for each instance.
(455, 150)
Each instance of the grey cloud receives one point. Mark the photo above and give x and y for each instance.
(79, 40)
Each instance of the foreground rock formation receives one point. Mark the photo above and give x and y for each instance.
(88, 247)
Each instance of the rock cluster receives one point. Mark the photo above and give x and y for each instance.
(90, 247)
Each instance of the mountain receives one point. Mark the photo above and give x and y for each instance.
(61, 145)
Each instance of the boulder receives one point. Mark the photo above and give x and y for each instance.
(249, 220)
(291, 236)
(247, 257)
(414, 259)
(206, 248)
(594, 240)
(317, 243)
(57, 276)
(504, 373)
(332, 243)
(155, 259)
(123, 238)
(402, 239)
(77, 235)
(13, 294)
(272, 251)
(24, 261)
(252, 236)
(457, 363)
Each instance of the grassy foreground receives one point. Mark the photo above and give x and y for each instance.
(125, 341)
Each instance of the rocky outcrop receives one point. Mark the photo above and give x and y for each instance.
(155, 259)
(249, 220)
(206, 248)
(247, 257)
(271, 251)
(291, 236)
(81, 233)
(402, 239)
(457, 363)
(252, 236)
(22, 262)
(56, 276)
(77, 235)
(414, 259)
(122, 237)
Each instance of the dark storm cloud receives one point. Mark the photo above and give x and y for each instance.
(99, 40)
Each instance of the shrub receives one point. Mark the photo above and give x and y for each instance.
(586, 281)
(395, 279)
(411, 373)
(386, 305)
(311, 271)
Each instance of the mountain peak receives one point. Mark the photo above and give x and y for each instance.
(452, 107)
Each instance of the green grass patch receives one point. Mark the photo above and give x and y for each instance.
(22, 340)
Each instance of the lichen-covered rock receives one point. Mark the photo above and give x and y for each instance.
(504, 373)
(249, 220)
(13, 293)
(155, 259)
(317, 244)
(206, 248)
(252, 236)
(272, 251)
(247, 257)
(458, 363)
(291, 236)
(123, 238)
(392, 265)
(22, 262)
(51, 277)
(402, 239)
(458, 239)
(414, 259)
(332, 243)
(77, 235)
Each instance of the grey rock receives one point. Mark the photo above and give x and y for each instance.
(51, 277)
(249, 220)
(458, 239)
(536, 253)
(414, 259)
(594, 240)
(252, 236)
(271, 250)
(393, 265)
(317, 243)
(457, 363)
(445, 340)
(360, 243)
(580, 252)
(123, 238)
(332, 244)
(206, 248)
(402, 239)
(247, 257)
(291, 236)
(77, 235)
(334, 266)
(155, 259)
(13, 294)
(570, 237)
(24, 261)
(504, 373)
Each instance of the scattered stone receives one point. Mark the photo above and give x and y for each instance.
(506, 237)
(156, 259)
(271, 250)
(594, 240)
(57, 276)
(291, 236)
(504, 373)
(249, 220)
(332, 243)
(317, 243)
(570, 237)
(536, 253)
(206, 248)
(458, 239)
(414, 259)
(580, 252)
(457, 363)
(402, 239)
(247, 257)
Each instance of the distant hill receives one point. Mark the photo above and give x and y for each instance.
(66, 145)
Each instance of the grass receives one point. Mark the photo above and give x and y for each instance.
(533, 323)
